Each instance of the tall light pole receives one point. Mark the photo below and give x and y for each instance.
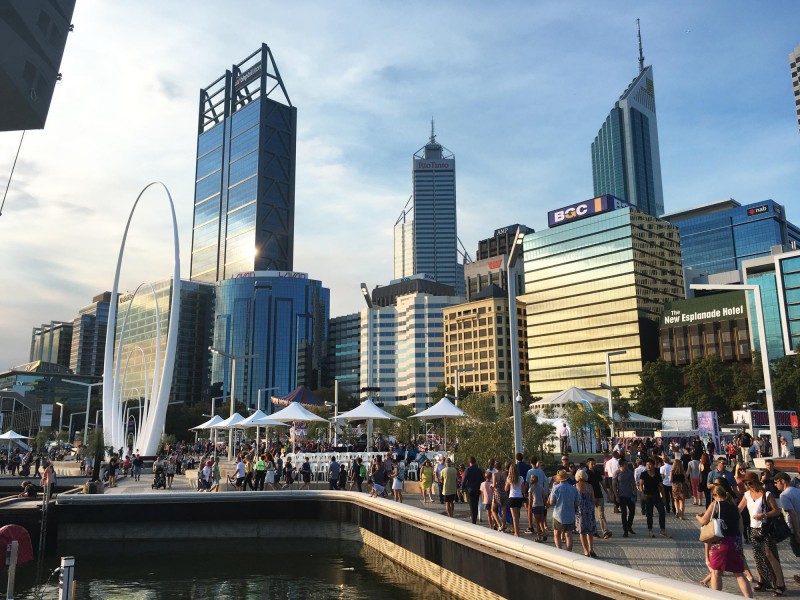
(458, 371)
(514, 335)
(88, 387)
(233, 358)
(60, 415)
(609, 387)
(762, 342)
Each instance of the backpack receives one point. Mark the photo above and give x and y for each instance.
(362, 471)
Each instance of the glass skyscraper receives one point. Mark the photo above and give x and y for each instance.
(717, 237)
(89, 337)
(625, 156)
(245, 177)
(425, 235)
(594, 286)
(794, 66)
(344, 353)
(280, 317)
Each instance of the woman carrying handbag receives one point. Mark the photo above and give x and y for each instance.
(761, 505)
(722, 534)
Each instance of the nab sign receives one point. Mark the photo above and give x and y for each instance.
(585, 209)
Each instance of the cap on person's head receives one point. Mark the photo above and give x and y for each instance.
(781, 475)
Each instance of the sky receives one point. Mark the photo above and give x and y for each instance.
(518, 92)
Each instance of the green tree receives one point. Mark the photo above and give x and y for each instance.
(441, 390)
(709, 386)
(661, 384)
(578, 418)
(748, 378)
(786, 383)
(479, 407)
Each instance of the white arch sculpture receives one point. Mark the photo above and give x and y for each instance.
(150, 427)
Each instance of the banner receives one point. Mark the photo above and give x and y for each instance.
(46, 419)
(708, 428)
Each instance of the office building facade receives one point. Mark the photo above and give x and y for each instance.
(87, 354)
(344, 353)
(279, 317)
(245, 176)
(719, 236)
(478, 347)
(709, 325)
(33, 35)
(146, 315)
(500, 243)
(794, 68)
(387, 295)
(52, 343)
(402, 349)
(625, 156)
(594, 286)
(425, 235)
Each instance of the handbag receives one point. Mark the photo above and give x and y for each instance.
(775, 528)
(712, 532)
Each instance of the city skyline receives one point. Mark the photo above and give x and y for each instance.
(504, 86)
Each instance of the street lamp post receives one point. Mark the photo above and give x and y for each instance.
(458, 371)
(97, 418)
(233, 358)
(762, 340)
(514, 335)
(610, 389)
(88, 387)
(60, 415)
(258, 427)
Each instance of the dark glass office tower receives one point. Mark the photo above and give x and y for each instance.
(244, 190)
(625, 157)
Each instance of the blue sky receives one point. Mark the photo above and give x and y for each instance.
(518, 92)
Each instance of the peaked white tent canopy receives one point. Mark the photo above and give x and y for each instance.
(295, 412)
(249, 421)
(571, 394)
(232, 422)
(211, 423)
(13, 435)
(366, 411)
(258, 420)
(443, 409)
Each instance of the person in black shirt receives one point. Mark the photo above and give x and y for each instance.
(471, 484)
(744, 440)
(28, 491)
(597, 481)
(652, 490)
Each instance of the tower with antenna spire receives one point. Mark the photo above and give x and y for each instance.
(426, 236)
(625, 158)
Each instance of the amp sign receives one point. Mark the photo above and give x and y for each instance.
(585, 209)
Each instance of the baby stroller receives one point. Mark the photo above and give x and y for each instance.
(160, 479)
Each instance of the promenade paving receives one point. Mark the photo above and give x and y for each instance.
(679, 558)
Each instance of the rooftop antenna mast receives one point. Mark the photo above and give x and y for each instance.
(433, 135)
(641, 54)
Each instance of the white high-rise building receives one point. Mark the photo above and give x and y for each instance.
(402, 348)
(425, 235)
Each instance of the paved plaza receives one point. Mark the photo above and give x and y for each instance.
(680, 558)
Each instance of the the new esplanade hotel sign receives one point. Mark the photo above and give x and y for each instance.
(717, 307)
(584, 209)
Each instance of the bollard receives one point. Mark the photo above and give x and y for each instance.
(11, 562)
(66, 578)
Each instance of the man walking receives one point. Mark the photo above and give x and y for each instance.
(333, 474)
(449, 486)
(438, 475)
(624, 485)
(471, 483)
(652, 490)
(564, 500)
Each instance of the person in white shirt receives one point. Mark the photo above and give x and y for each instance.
(789, 501)
(563, 437)
(610, 469)
(665, 470)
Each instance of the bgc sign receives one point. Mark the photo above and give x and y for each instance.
(585, 209)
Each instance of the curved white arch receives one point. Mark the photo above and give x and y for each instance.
(149, 429)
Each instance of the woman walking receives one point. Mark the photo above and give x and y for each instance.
(426, 481)
(500, 498)
(170, 471)
(585, 522)
(762, 506)
(536, 500)
(705, 469)
(513, 487)
(726, 554)
(678, 478)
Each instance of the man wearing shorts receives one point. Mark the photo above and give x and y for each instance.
(564, 500)
(449, 476)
